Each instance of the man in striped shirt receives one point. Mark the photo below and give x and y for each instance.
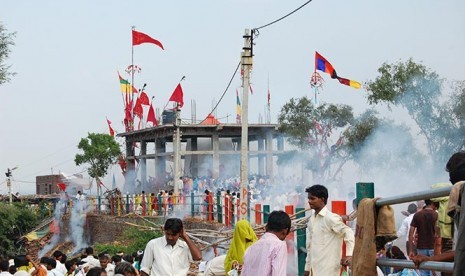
(268, 256)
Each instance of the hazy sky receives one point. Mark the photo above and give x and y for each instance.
(67, 54)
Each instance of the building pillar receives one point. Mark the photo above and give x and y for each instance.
(216, 155)
(260, 156)
(194, 158)
(130, 175)
(143, 165)
(269, 154)
(160, 161)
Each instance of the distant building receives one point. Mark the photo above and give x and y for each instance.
(47, 184)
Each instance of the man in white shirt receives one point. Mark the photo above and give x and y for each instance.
(90, 259)
(405, 227)
(168, 255)
(104, 260)
(58, 255)
(325, 234)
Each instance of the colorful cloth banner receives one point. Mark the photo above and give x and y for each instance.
(323, 65)
(238, 108)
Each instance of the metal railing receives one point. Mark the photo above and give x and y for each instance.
(427, 194)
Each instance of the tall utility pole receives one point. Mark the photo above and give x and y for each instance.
(8, 182)
(177, 150)
(246, 67)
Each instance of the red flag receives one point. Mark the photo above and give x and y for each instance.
(151, 116)
(134, 90)
(139, 38)
(112, 132)
(144, 99)
(138, 110)
(178, 95)
(62, 186)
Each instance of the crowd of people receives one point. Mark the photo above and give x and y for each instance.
(87, 264)
(429, 237)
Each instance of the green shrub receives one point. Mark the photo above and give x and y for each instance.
(133, 239)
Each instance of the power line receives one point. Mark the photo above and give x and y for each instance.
(277, 20)
(227, 87)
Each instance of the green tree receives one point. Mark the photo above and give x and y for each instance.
(100, 151)
(418, 89)
(310, 129)
(6, 41)
(16, 220)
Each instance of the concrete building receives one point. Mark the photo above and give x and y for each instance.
(47, 184)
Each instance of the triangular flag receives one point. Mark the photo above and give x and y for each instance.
(139, 38)
(151, 116)
(251, 89)
(138, 110)
(112, 132)
(144, 99)
(178, 95)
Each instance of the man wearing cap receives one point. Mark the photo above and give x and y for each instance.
(168, 255)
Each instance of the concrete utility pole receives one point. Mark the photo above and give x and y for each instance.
(177, 150)
(246, 67)
(8, 182)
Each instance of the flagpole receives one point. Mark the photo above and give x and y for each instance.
(268, 118)
(132, 71)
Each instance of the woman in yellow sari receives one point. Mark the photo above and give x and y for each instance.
(243, 237)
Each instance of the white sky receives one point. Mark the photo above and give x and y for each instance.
(67, 54)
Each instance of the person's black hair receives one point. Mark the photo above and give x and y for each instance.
(89, 251)
(12, 269)
(70, 263)
(63, 258)
(104, 256)
(319, 191)
(4, 265)
(51, 262)
(428, 202)
(43, 260)
(128, 258)
(20, 260)
(116, 259)
(456, 167)
(95, 271)
(173, 224)
(394, 252)
(277, 221)
(123, 268)
(57, 254)
(412, 208)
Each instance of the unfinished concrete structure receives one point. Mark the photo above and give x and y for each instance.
(222, 143)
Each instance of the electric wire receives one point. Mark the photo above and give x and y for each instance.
(279, 19)
(226, 90)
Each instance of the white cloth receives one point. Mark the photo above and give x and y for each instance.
(325, 233)
(160, 258)
(110, 269)
(22, 273)
(93, 262)
(5, 273)
(61, 267)
(405, 227)
(215, 267)
(54, 272)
